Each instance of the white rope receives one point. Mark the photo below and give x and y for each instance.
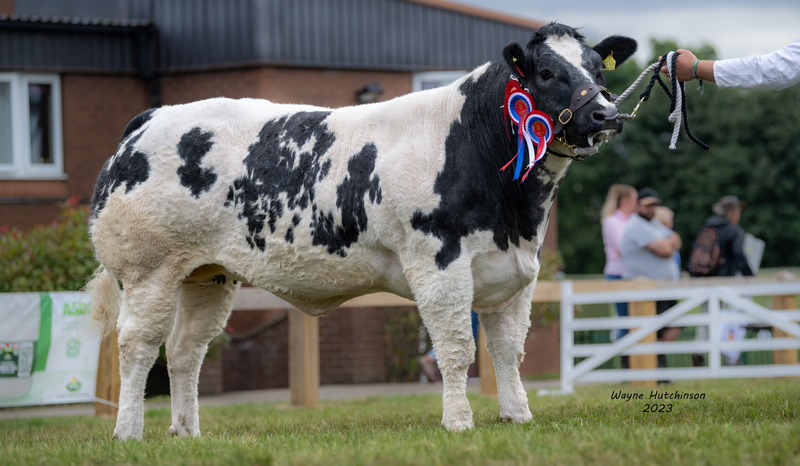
(676, 116)
(635, 83)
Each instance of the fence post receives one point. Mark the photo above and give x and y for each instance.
(108, 381)
(303, 359)
(784, 356)
(643, 361)
(486, 366)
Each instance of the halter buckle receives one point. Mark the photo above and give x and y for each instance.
(561, 116)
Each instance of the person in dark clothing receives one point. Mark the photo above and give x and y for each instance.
(730, 239)
(730, 236)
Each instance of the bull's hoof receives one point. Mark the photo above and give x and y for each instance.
(182, 431)
(520, 418)
(457, 426)
(126, 436)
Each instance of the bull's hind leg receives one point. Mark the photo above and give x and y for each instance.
(444, 299)
(203, 310)
(146, 316)
(506, 331)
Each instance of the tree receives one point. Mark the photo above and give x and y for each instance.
(755, 154)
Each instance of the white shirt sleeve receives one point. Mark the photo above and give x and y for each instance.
(774, 71)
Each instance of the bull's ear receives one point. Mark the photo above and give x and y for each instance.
(615, 50)
(515, 58)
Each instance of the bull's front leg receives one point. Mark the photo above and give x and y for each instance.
(506, 331)
(444, 299)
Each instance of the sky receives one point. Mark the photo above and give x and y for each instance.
(735, 28)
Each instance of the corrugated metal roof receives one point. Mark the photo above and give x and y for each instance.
(34, 42)
(412, 35)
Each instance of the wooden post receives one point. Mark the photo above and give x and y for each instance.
(303, 359)
(108, 381)
(784, 356)
(643, 361)
(486, 366)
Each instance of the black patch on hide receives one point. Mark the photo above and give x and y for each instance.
(275, 170)
(137, 122)
(192, 147)
(350, 200)
(127, 167)
(475, 195)
(290, 231)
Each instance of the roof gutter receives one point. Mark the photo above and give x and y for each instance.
(145, 32)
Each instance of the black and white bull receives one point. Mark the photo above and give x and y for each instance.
(319, 206)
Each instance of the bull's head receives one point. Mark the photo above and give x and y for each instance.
(565, 77)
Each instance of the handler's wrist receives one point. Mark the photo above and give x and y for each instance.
(694, 69)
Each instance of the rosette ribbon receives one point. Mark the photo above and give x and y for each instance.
(535, 128)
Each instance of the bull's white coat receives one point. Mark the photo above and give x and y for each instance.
(165, 245)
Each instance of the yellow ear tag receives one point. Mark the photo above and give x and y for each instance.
(609, 64)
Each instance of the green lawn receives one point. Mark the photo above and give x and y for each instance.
(739, 422)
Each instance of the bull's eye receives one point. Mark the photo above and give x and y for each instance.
(546, 74)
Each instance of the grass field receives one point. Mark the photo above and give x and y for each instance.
(739, 422)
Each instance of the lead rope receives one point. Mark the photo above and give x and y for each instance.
(678, 110)
(677, 101)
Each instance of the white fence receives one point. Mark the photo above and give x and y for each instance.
(690, 298)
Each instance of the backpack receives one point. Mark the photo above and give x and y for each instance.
(705, 258)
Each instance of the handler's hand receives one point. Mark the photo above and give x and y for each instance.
(683, 65)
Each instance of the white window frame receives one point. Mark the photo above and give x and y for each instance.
(21, 166)
(442, 76)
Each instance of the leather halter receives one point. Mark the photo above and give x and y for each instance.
(582, 96)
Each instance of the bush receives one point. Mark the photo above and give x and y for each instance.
(55, 257)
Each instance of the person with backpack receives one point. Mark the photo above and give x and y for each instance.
(718, 251)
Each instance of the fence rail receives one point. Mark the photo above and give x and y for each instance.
(714, 294)
(304, 332)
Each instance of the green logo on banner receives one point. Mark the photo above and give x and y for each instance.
(73, 347)
(75, 309)
(73, 385)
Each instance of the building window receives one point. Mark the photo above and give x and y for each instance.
(30, 126)
(434, 79)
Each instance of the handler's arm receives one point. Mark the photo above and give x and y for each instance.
(774, 71)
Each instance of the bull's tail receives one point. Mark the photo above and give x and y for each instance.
(106, 299)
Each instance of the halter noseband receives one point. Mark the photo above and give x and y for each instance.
(582, 96)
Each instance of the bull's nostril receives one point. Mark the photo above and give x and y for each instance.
(598, 117)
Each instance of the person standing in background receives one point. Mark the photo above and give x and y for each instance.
(621, 202)
(666, 216)
(648, 248)
(718, 251)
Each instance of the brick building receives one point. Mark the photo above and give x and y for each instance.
(72, 74)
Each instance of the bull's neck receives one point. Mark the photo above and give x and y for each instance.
(481, 143)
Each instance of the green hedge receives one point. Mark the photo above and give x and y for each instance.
(55, 257)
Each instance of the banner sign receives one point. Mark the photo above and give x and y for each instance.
(48, 349)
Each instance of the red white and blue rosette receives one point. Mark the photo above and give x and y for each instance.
(519, 104)
(537, 129)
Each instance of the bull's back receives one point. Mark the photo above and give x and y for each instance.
(260, 188)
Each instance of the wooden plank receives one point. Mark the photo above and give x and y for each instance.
(643, 361)
(108, 381)
(784, 356)
(250, 298)
(379, 300)
(303, 359)
(486, 366)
